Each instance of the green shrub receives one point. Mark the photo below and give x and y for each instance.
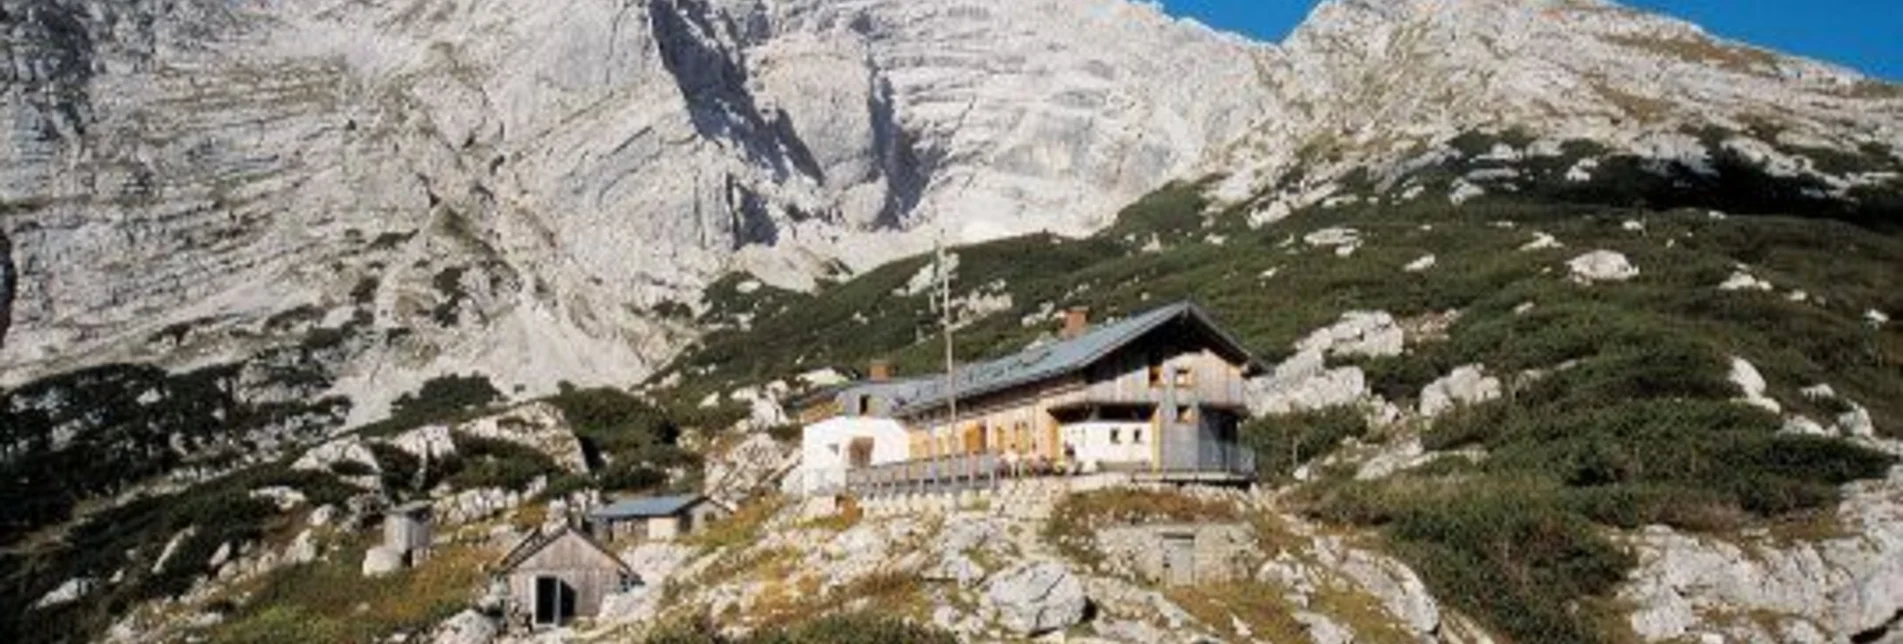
(1283, 443)
(487, 462)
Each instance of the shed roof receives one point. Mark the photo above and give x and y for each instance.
(541, 539)
(413, 507)
(646, 507)
(1067, 356)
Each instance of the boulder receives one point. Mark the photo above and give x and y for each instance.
(1752, 384)
(1466, 385)
(303, 549)
(1601, 266)
(379, 561)
(467, 627)
(1036, 598)
(1541, 241)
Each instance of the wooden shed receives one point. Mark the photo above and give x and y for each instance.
(555, 576)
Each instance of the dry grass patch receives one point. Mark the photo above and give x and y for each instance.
(1702, 52)
(1259, 607)
(741, 528)
(330, 601)
(1078, 517)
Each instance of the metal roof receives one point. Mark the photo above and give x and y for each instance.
(644, 507)
(1059, 358)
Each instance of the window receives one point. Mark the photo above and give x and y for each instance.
(1136, 436)
(1156, 369)
(1186, 414)
(1116, 437)
(1185, 378)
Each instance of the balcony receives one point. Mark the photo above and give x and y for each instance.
(1216, 463)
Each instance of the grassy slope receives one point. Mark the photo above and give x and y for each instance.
(1641, 429)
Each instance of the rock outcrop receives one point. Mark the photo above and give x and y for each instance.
(1760, 588)
(1037, 598)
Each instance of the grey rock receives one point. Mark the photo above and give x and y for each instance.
(379, 561)
(467, 627)
(1036, 598)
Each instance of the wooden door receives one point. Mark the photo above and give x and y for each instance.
(1179, 560)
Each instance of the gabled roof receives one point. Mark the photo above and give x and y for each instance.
(1067, 356)
(647, 507)
(544, 538)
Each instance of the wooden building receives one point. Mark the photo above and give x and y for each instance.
(1158, 392)
(654, 518)
(556, 576)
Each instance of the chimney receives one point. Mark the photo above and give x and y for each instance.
(880, 370)
(1076, 321)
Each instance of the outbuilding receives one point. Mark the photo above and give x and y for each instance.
(555, 576)
(656, 518)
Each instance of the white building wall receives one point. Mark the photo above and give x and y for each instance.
(1111, 441)
(825, 449)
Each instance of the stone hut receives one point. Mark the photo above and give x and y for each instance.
(555, 576)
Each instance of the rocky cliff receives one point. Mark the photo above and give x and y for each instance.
(517, 187)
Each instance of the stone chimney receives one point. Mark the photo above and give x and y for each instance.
(880, 370)
(1076, 321)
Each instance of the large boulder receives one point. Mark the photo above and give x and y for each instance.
(1601, 266)
(1036, 598)
(1467, 385)
(379, 561)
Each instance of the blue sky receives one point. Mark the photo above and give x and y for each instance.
(1866, 35)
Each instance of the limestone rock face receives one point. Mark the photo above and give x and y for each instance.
(513, 187)
(1389, 83)
(1036, 598)
(1839, 588)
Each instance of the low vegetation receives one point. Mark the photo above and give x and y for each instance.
(1617, 411)
(854, 628)
(331, 601)
(1077, 518)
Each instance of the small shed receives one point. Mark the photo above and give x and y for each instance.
(406, 531)
(657, 518)
(555, 576)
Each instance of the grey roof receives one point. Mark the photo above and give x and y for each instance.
(1059, 358)
(540, 539)
(644, 507)
(413, 507)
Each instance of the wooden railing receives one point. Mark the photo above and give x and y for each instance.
(977, 471)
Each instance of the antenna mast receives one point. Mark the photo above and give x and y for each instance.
(945, 322)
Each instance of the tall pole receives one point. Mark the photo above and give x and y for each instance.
(945, 322)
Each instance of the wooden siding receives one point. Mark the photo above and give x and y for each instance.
(1189, 379)
(592, 573)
